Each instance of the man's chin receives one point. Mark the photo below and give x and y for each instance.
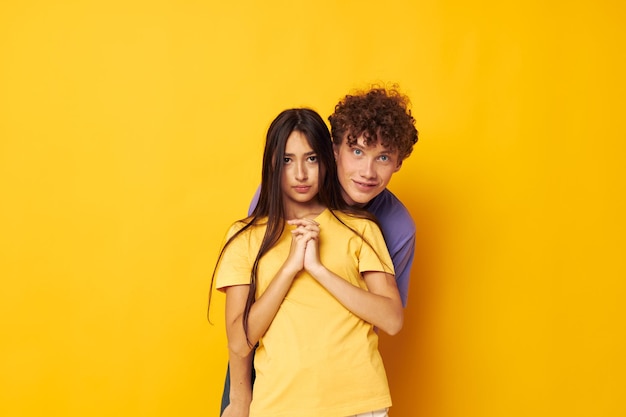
(358, 197)
(361, 199)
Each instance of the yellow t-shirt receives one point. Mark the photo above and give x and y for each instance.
(316, 358)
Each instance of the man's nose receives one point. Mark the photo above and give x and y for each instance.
(367, 169)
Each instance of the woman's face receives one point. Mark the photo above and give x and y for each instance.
(300, 175)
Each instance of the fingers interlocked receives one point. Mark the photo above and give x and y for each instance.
(305, 228)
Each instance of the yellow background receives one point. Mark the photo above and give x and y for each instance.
(131, 136)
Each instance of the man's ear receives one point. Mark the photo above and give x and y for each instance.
(336, 150)
(398, 167)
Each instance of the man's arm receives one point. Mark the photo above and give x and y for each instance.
(402, 262)
(380, 303)
(399, 231)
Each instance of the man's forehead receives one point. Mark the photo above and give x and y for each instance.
(368, 143)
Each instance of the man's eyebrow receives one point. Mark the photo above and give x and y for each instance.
(384, 151)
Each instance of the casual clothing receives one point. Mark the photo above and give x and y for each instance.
(377, 413)
(398, 229)
(316, 358)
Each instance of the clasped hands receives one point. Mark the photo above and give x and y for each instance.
(304, 253)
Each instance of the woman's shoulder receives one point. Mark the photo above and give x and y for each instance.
(239, 225)
(355, 219)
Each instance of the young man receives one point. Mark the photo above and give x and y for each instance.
(373, 132)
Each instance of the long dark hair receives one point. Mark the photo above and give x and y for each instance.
(269, 209)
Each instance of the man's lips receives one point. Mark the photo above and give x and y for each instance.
(364, 185)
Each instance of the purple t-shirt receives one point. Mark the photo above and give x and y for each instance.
(398, 229)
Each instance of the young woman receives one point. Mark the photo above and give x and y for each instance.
(307, 280)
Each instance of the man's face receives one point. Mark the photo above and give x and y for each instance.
(364, 171)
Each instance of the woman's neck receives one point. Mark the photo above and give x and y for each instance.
(307, 210)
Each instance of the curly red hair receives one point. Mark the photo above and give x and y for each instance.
(380, 115)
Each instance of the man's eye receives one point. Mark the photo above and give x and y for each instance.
(357, 151)
(384, 158)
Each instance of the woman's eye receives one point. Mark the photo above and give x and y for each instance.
(312, 158)
(286, 160)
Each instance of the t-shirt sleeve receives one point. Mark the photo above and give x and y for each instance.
(235, 266)
(374, 255)
(402, 261)
(399, 231)
(255, 201)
